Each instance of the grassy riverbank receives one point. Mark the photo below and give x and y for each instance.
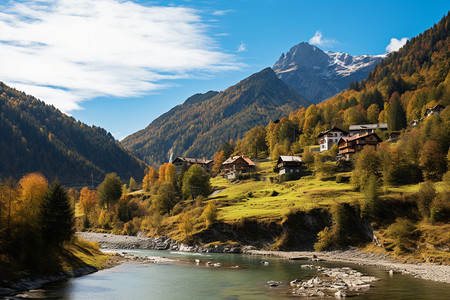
(73, 255)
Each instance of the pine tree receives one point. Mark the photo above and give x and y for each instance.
(396, 114)
(56, 216)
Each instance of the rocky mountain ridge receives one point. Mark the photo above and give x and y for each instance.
(318, 75)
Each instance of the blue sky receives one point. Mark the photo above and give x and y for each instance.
(120, 64)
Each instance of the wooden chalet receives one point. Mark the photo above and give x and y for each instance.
(330, 137)
(289, 164)
(238, 163)
(348, 146)
(435, 110)
(365, 129)
(204, 163)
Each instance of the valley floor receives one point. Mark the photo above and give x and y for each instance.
(428, 271)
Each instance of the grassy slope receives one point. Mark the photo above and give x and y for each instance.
(236, 202)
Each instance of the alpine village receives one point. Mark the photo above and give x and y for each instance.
(357, 176)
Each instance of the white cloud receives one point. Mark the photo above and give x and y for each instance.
(68, 51)
(242, 47)
(395, 44)
(318, 40)
(222, 12)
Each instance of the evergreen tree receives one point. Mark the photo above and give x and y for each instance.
(396, 114)
(56, 216)
(133, 186)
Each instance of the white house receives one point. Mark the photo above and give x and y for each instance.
(330, 137)
(435, 110)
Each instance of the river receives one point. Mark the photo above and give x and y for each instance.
(187, 280)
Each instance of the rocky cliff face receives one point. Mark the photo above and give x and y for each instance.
(318, 75)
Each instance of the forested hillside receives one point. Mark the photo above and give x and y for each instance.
(38, 137)
(396, 92)
(201, 124)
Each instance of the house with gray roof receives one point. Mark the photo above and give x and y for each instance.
(366, 129)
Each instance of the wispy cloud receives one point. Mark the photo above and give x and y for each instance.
(396, 44)
(319, 40)
(242, 47)
(69, 51)
(222, 12)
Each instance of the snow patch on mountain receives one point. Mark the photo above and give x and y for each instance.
(318, 75)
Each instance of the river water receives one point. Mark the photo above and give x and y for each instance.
(187, 280)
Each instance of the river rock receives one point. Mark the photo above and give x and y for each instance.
(333, 282)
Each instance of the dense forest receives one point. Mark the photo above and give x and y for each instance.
(201, 124)
(38, 137)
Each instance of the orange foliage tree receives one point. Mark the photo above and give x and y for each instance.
(88, 200)
(162, 172)
(149, 179)
(32, 188)
(170, 173)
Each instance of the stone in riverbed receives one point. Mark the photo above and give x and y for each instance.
(272, 283)
(339, 295)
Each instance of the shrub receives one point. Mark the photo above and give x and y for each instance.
(402, 231)
(440, 208)
(129, 228)
(186, 224)
(274, 193)
(371, 204)
(425, 197)
(210, 214)
(325, 239)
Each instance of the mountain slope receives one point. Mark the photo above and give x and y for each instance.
(200, 125)
(397, 92)
(38, 137)
(318, 75)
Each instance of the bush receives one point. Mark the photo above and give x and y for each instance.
(129, 228)
(325, 239)
(440, 208)
(210, 214)
(371, 204)
(274, 193)
(402, 231)
(425, 197)
(186, 225)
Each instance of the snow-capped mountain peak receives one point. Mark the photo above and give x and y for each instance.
(317, 74)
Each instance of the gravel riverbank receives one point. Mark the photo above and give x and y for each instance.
(428, 271)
